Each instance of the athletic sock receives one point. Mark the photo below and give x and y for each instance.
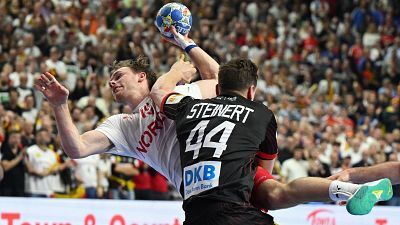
(340, 191)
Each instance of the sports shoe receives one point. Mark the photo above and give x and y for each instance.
(362, 202)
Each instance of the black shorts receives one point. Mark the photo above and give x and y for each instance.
(224, 213)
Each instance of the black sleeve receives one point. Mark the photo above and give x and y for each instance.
(269, 147)
(174, 103)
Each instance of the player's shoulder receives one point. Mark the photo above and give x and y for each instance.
(175, 98)
(179, 99)
(261, 106)
(263, 111)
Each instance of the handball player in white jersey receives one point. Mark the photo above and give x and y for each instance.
(147, 135)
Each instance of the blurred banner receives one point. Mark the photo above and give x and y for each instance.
(34, 211)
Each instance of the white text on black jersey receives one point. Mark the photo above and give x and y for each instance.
(205, 110)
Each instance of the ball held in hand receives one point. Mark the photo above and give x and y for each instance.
(173, 14)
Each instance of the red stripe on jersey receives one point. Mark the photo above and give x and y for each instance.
(266, 156)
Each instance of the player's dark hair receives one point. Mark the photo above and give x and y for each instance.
(237, 75)
(137, 65)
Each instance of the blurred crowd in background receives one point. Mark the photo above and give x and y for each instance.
(328, 69)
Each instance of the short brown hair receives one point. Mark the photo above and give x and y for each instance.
(237, 75)
(137, 65)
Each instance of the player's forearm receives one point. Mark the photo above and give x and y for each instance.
(207, 66)
(389, 170)
(69, 134)
(164, 85)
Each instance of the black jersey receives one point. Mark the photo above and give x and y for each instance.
(219, 139)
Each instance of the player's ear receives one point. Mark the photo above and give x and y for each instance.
(142, 76)
(217, 89)
(251, 92)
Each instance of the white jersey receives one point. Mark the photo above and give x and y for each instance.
(86, 170)
(148, 135)
(41, 161)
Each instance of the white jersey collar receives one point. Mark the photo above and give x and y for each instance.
(141, 104)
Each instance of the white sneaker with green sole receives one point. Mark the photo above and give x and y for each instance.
(362, 202)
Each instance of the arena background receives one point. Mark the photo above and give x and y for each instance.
(329, 70)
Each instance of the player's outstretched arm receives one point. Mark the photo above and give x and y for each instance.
(74, 145)
(389, 170)
(180, 71)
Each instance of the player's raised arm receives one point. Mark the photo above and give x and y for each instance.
(206, 65)
(180, 71)
(74, 145)
(389, 170)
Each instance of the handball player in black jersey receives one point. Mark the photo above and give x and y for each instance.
(221, 141)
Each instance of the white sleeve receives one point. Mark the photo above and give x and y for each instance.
(191, 90)
(113, 128)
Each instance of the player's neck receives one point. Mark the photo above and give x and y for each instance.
(135, 99)
(229, 92)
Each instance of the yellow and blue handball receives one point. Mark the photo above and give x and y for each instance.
(175, 14)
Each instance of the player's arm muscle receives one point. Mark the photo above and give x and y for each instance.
(164, 85)
(75, 145)
(207, 66)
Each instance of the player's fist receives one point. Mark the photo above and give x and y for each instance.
(185, 69)
(179, 40)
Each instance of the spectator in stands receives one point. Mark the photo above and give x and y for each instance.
(24, 89)
(142, 181)
(27, 133)
(56, 66)
(31, 49)
(104, 175)
(316, 167)
(87, 174)
(13, 104)
(12, 162)
(295, 167)
(41, 163)
(123, 170)
(159, 186)
(30, 111)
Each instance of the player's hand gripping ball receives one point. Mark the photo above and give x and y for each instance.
(174, 14)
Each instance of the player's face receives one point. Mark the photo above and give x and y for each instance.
(122, 82)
